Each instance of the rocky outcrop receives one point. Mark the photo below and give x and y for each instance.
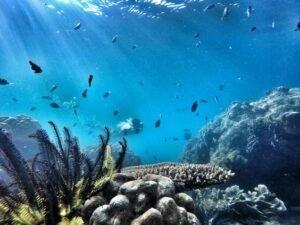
(259, 141)
(148, 201)
(19, 129)
(236, 206)
(131, 159)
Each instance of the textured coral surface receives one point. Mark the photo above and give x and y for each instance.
(259, 141)
(185, 176)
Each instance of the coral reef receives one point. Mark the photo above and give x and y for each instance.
(131, 159)
(19, 129)
(151, 200)
(257, 140)
(185, 176)
(51, 189)
(235, 206)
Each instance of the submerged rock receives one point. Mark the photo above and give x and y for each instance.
(142, 202)
(150, 217)
(19, 128)
(185, 201)
(91, 204)
(259, 141)
(236, 206)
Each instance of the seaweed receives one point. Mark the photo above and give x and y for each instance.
(51, 188)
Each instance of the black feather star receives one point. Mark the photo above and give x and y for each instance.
(57, 181)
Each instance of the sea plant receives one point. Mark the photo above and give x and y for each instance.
(51, 188)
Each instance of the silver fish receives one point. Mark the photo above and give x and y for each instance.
(225, 13)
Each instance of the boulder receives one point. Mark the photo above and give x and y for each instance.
(150, 217)
(165, 187)
(141, 202)
(90, 205)
(185, 201)
(169, 211)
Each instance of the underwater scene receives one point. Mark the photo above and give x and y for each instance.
(149, 112)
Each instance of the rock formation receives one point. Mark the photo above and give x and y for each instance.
(235, 206)
(140, 195)
(259, 141)
(151, 200)
(19, 128)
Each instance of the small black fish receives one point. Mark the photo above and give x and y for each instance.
(106, 94)
(15, 99)
(194, 106)
(133, 47)
(157, 124)
(298, 27)
(54, 105)
(3, 82)
(175, 139)
(221, 87)
(196, 35)
(77, 26)
(46, 97)
(203, 101)
(84, 93)
(116, 112)
(253, 29)
(90, 80)
(32, 108)
(75, 112)
(53, 88)
(114, 39)
(35, 67)
(141, 83)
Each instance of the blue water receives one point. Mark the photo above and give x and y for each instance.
(166, 60)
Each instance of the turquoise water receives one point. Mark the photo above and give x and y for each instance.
(153, 70)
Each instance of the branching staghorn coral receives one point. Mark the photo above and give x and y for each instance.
(51, 189)
(185, 176)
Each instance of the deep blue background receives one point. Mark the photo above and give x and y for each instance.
(247, 63)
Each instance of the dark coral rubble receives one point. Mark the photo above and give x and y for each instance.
(259, 141)
(185, 176)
